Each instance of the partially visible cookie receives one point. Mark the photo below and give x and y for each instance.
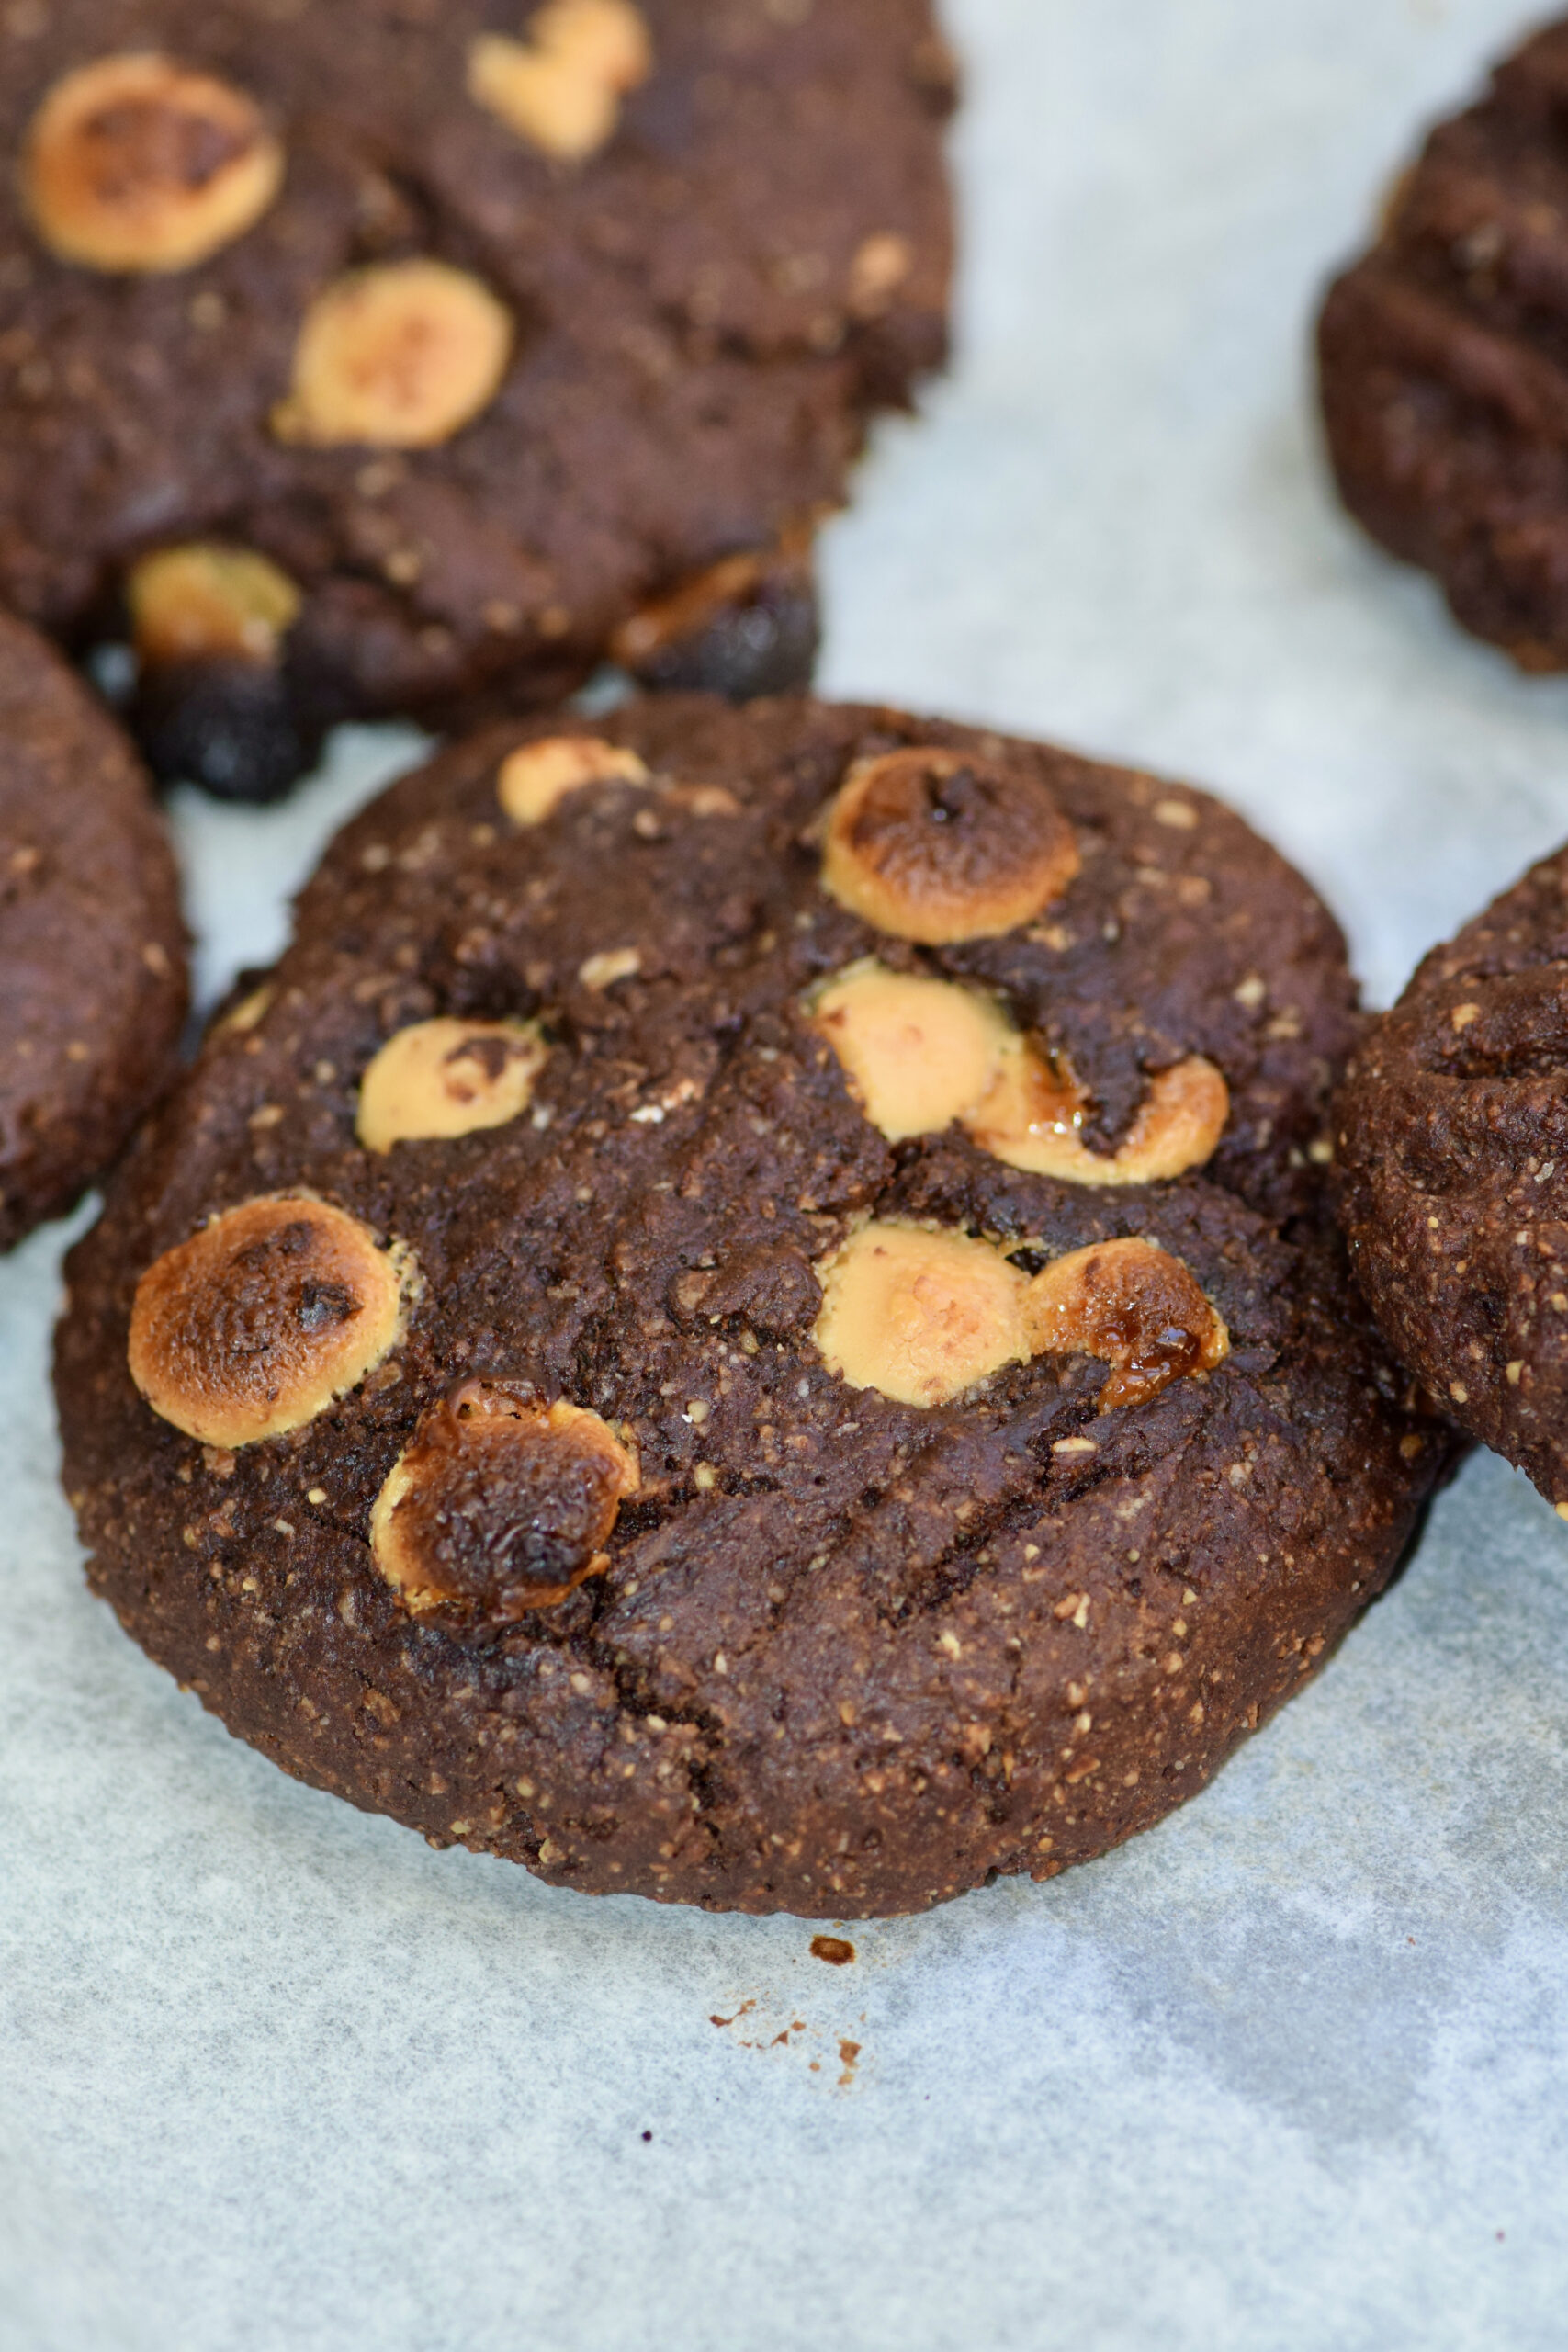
(1444, 361)
(1454, 1170)
(747, 1314)
(376, 355)
(92, 947)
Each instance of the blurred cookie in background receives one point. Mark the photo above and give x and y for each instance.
(374, 357)
(1453, 1172)
(1444, 363)
(92, 947)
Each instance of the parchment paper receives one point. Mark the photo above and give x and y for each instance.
(1291, 2072)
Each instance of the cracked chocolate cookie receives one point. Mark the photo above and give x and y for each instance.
(1444, 358)
(1453, 1171)
(747, 1315)
(92, 947)
(374, 355)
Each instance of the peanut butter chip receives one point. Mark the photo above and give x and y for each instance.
(534, 779)
(918, 1053)
(880, 266)
(204, 602)
(137, 163)
(1133, 1305)
(922, 1315)
(561, 88)
(1033, 1118)
(257, 1323)
(441, 1078)
(499, 1505)
(921, 1053)
(249, 1014)
(919, 1316)
(939, 847)
(398, 357)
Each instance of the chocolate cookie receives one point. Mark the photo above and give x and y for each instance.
(365, 356)
(92, 949)
(1453, 1166)
(1445, 363)
(746, 1314)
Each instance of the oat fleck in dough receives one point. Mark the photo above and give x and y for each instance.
(764, 1492)
(92, 947)
(1444, 386)
(362, 357)
(1453, 1175)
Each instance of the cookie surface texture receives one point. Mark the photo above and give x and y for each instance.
(773, 1495)
(497, 337)
(92, 947)
(1453, 1167)
(1444, 381)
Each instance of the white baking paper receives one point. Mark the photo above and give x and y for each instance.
(1293, 2071)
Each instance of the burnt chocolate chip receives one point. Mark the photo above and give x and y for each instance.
(233, 728)
(766, 646)
(749, 625)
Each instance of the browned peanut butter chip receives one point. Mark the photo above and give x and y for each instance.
(261, 1320)
(919, 1316)
(561, 88)
(940, 847)
(138, 163)
(1134, 1306)
(1033, 1119)
(448, 1078)
(204, 601)
(400, 356)
(918, 1053)
(534, 779)
(499, 1505)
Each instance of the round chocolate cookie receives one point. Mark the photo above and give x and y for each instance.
(361, 356)
(1454, 1170)
(747, 1315)
(92, 947)
(1444, 358)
